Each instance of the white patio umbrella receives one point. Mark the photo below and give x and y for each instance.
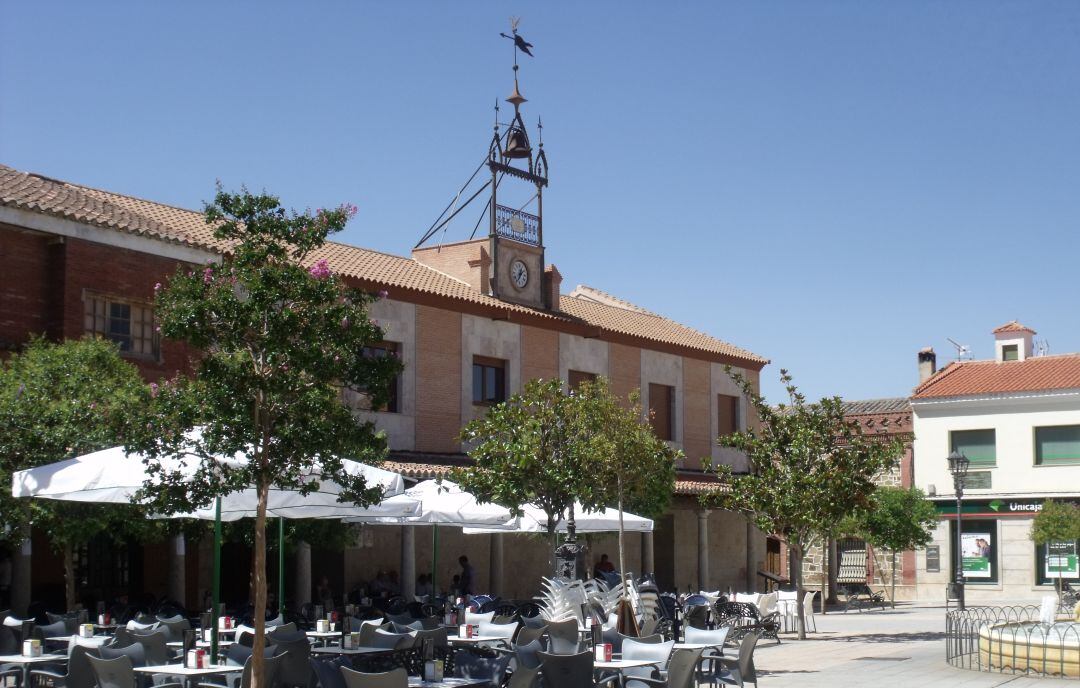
(534, 520)
(442, 503)
(113, 476)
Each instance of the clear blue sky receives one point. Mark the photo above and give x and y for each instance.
(830, 184)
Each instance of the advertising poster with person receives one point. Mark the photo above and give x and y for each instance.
(976, 552)
(1061, 560)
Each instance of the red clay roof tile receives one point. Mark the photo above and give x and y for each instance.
(970, 378)
(395, 273)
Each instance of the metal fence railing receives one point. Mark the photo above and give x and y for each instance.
(1012, 640)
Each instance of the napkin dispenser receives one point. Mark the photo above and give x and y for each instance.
(603, 652)
(31, 648)
(433, 670)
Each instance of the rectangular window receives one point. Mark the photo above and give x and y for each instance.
(130, 324)
(727, 414)
(1056, 560)
(662, 406)
(980, 548)
(979, 446)
(1010, 352)
(574, 378)
(489, 380)
(1057, 444)
(381, 350)
(933, 558)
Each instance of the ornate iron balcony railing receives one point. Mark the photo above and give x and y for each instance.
(517, 225)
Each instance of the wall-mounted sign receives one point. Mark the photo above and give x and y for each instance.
(993, 507)
(976, 555)
(933, 559)
(1061, 561)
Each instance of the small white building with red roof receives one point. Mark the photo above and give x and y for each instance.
(1016, 418)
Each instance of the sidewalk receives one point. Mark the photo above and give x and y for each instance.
(901, 647)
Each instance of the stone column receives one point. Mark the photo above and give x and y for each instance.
(648, 558)
(302, 577)
(21, 573)
(703, 549)
(178, 569)
(495, 579)
(408, 562)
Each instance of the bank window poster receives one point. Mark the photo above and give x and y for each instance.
(976, 555)
(1061, 561)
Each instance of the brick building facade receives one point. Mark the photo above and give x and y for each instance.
(72, 254)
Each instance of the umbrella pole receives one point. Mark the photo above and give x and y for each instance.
(434, 557)
(281, 565)
(217, 582)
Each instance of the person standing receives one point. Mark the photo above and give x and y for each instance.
(467, 580)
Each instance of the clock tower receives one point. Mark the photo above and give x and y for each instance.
(516, 226)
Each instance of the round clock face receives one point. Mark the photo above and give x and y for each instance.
(519, 274)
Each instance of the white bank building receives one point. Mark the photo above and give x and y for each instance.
(1017, 419)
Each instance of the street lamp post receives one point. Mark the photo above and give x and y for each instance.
(958, 466)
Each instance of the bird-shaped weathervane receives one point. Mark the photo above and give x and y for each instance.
(519, 42)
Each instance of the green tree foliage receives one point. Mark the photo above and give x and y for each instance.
(897, 519)
(535, 447)
(809, 468)
(551, 447)
(58, 401)
(281, 336)
(634, 467)
(1056, 522)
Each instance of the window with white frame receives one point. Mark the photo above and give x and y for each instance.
(128, 323)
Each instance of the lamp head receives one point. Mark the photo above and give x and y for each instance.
(958, 464)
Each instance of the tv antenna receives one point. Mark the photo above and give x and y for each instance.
(1042, 347)
(963, 351)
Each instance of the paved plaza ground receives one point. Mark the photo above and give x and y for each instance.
(901, 647)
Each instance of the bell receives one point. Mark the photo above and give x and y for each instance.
(517, 145)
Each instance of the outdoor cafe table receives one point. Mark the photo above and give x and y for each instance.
(337, 650)
(448, 682)
(97, 640)
(323, 636)
(27, 661)
(477, 639)
(188, 673)
(620, 664)
(178, 644)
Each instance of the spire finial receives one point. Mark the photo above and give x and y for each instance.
(524, 46)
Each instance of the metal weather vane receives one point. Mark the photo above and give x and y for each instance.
(519, 42)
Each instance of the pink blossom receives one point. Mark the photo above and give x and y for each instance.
(344, 323)
(320, 270)
(153, 389)
(207, 275)
(157, 287)
(383, 294)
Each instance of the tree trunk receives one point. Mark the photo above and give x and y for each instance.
(892, 575)
(69, 576)
(622, 548)
(795, 551)
(259, 574)
(22, 572)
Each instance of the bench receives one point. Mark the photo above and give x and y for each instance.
(859, 596)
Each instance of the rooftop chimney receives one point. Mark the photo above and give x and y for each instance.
(927, 364)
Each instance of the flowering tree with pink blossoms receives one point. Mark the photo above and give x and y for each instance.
(280, 336)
